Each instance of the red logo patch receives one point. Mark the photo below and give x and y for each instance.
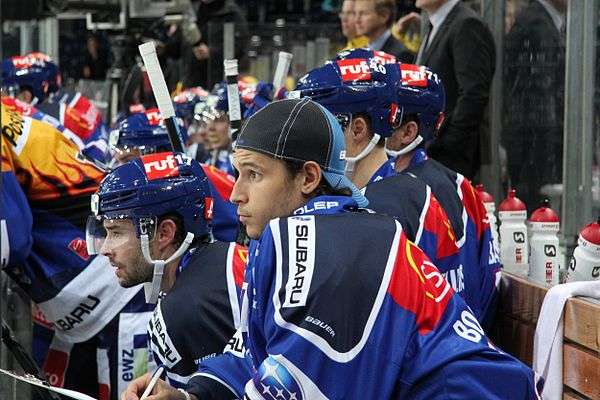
(39, 318)
(55, 367)
(208, 208)
(413, 75)
(27, 61)
(395, 116)
(356, 69)
(153, 116)
(160, 165)
(419, 287)
(79, 247)
(240, 260)
(384, 58)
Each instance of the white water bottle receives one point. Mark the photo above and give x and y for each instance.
(490, 208)
(585, 264)
(544, 255)
(513, 231)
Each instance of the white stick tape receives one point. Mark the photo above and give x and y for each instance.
(281, 72)
(157, 80)
(231, 67)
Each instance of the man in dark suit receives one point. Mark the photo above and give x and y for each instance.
(534, 84)
(374, 19)
(460, 49)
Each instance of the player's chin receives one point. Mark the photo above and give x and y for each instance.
(126, 281)
(254, 230)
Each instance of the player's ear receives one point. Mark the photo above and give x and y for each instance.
(409, 132)
(312, 176)
(165, 233)
(360, 129)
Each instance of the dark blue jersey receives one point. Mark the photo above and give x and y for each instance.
(357, 312)
(196, 319)
(467, 214)
(423, 221)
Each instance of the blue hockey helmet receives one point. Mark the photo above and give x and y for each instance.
(143, 132)
(153, 185)
(356, 81)
(420, 92)
(35, 72)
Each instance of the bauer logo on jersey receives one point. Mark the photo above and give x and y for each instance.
(356, 69)
(413, 75)
(161, 165)
(301, 260)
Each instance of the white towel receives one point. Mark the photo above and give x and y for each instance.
(548, 340)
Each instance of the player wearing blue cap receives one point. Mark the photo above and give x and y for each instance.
(337, 303)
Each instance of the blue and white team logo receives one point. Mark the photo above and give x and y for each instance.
(274, 382)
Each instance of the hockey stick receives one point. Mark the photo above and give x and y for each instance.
(281, 72)
(25, 360)
(50, 390)
(161, 93)
(233, 97)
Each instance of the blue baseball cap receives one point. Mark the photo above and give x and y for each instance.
(301, 130)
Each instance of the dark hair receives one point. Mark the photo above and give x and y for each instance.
(294, 167)
(386, 7)
(180, 232)
(410, 117)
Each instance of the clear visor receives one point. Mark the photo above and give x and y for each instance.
(104, 235)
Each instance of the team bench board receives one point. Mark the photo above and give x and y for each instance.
(518, 309)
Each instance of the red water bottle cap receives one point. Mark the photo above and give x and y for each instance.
(591, 232)
(512, 202)
(485, 196)
(544, 213)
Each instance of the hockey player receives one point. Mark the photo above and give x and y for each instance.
(35, 79)
(364, 104)
(152, 220)
(144, 133)
(419, 97)
(337, 303)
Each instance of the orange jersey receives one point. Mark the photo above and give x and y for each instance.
(44, 161)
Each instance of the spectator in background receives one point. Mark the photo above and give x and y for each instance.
(96, 60)
(203, 62)
(348, 21)
(374, 19)
(534, 84)
(460, 49)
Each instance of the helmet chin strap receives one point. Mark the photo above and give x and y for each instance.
(351, 161)
(413, 145)
(152, 289)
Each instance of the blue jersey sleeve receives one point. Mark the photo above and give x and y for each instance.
(222, 376)
(16, 222)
